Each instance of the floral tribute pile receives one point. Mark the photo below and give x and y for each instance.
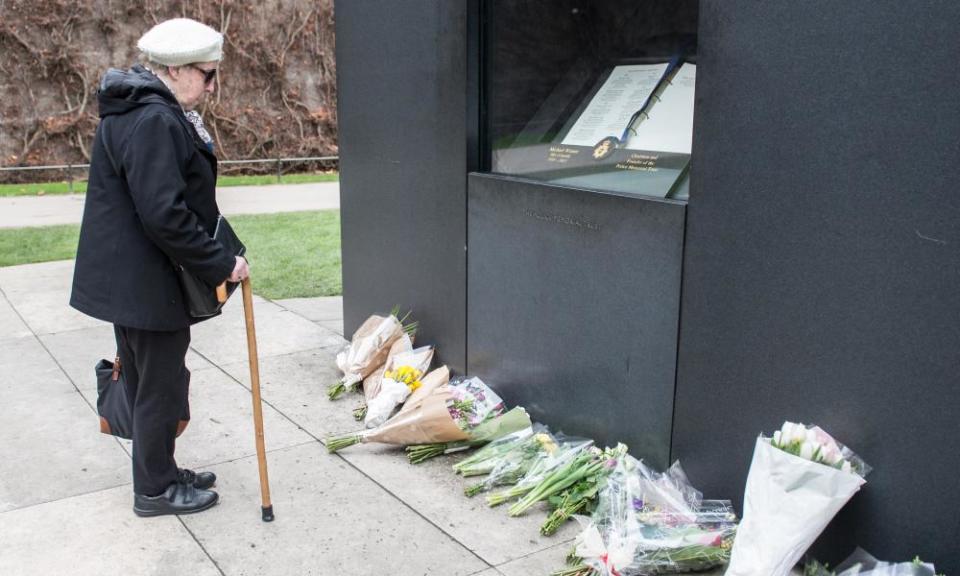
(634, 520)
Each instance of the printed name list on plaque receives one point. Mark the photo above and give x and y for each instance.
(624, 91)
(669, 125)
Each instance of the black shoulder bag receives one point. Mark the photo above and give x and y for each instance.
(202, 298)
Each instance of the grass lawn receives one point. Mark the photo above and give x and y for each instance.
(262, 179)
(292, 255)
(41, 244)
(80, 187)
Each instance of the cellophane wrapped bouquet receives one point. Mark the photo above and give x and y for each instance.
(587, 467)
(506, 463)
(799, 479)
(650, 523)
(860, 563)
(484, 460)
(547, 455)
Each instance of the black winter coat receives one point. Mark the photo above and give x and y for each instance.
(158, 205)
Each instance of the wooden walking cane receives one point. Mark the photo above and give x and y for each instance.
(266, 507)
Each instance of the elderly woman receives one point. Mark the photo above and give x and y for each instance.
(151, 201)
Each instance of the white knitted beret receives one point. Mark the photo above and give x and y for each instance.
(181, 41)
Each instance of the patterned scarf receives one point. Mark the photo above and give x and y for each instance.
(197, 121)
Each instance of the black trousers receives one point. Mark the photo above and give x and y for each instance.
(157, 386)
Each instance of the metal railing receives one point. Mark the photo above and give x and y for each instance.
(278, 161)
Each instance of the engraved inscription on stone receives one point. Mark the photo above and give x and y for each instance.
(575, 221)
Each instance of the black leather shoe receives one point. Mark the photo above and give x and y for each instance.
(177, 499)
(200, 480)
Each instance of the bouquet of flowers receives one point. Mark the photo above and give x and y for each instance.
(492, 429)
(860, 563)
(799, 479)
(651, 523)
(608, 540)
(434, 381)
(547, 460)
(400, 378)
(690, 542)
(438, 416)
(587, 466)
(368, 349)
(581, 495)
(484, 460)
(514, 461)
(371, 384)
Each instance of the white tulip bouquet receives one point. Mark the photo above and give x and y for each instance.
(799, 479)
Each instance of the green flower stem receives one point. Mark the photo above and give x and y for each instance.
(334, 391)
(581, 467)
(474, 489)
(478, 470)
(563, 513)
(419, 453)
(498, 498)
(686, 558)
(581, 570)
(360, 412)
(485, 458)
(336, 443)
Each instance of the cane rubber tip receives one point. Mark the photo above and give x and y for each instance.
(267, 513)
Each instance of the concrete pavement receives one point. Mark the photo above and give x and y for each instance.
(23, 211)
(65, 492)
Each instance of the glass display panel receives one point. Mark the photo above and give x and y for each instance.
(596, 94)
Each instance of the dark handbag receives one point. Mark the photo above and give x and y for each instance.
(201, 298)
(116, 414)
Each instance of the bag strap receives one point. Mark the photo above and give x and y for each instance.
(106, 148)
(116, 360)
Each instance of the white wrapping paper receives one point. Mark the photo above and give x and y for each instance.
(393, 393)
(787, 503)
(373, 338)
(611, 558)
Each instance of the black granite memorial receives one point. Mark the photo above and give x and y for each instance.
(575, 255)
(798, 262)
(822, 258)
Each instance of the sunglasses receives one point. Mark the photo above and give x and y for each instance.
(208, 75)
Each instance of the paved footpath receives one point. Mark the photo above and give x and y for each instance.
(22, 211)
(65, 492)
(65, 489)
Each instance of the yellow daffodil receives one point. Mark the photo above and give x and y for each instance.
(546, 443)
(405, 374)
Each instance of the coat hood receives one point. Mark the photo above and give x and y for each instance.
(123, 90)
